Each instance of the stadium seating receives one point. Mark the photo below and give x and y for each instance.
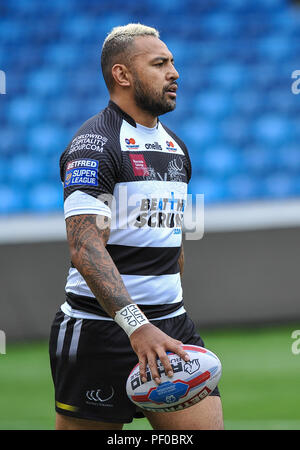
(236, 111)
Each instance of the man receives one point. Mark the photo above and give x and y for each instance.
(125, 180)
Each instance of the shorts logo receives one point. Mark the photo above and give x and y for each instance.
(131, 144)
(82, 172)
(100, 395)
(139, 165)
(170, 146)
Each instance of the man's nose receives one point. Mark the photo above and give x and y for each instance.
(173, 74)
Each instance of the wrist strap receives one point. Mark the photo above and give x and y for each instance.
(130, 318)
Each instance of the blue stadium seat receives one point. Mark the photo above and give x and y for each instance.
(213, 104)
(259, 160)
(273, 129)
(62, 55)
(198, 132)
(27, 169)
(45, 82)
(229, 75)
(25, 110)
(243, 187)
(221, 161)
(47, 139)
(12, 142)
(280, 185)
(214, 190)
(12, 199)
(45, 197)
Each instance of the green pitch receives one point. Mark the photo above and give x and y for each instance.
(259, 385)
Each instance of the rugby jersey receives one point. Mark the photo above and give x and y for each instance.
(138, 177)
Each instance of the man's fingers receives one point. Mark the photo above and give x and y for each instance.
(142, 365)
(180, 352)
(152, 363)
(166, 363)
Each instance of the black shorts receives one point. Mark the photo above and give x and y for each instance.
(91, 360)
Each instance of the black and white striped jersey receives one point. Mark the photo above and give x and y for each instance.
(138, 177)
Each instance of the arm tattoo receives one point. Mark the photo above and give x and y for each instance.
(181, 261)
(87, 236)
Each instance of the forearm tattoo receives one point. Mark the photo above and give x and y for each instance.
(87, 236)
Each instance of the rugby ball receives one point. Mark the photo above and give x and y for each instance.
(192, 381)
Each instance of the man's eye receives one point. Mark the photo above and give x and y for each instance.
(159, 64)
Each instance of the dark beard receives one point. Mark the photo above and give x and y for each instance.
(150, 102)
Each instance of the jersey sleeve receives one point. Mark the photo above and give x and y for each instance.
(89, 177)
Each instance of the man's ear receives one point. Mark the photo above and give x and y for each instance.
(121, 75)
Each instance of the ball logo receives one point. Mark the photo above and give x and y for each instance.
(131, 144)
(192, 366)
(170, 399)
(168, 390)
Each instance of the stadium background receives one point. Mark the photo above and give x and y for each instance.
(240, 120)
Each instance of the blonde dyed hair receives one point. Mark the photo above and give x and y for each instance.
(117, 44)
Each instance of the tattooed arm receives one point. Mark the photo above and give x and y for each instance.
(87, 236)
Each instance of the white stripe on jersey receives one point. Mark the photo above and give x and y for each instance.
(81, 203)
(165, 196)
(141, 288)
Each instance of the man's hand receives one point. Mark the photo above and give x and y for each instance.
(150, 343)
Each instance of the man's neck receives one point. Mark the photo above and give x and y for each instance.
(139, 116)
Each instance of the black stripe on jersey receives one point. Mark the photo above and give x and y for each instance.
(91, 305)
(145, 260)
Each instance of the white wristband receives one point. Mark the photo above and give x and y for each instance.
(130, 318)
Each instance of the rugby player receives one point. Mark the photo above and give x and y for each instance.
(124, 299)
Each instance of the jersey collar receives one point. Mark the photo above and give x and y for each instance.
(126, 116)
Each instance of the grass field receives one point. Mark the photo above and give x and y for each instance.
(259, 385)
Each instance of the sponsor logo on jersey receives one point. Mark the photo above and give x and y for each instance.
(82, 172)
(139, 165)
(131, 144)
(170, 147)
(93, 142)
(175, 171)
(164, 212)
(153, 146)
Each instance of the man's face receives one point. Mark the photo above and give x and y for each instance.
(154, 76)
